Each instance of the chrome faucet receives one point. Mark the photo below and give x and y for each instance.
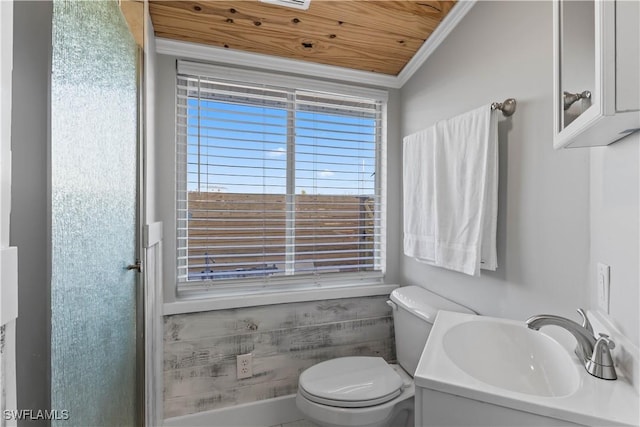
(594, 353)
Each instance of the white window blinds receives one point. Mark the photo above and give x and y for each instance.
(275, 182)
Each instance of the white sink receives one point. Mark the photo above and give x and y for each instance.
(512, 357)
(486, 371)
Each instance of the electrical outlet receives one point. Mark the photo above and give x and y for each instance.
(244, 366)
(604, 272)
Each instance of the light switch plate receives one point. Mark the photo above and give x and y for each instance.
(603, 284)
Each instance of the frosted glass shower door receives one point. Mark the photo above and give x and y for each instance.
(94, 133)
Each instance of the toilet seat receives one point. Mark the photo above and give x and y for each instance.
(351, 382)
(349, 403)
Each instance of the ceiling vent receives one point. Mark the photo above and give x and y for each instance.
(296, 4)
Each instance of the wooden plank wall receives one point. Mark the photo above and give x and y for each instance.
(200, 348)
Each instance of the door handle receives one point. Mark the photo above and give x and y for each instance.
(137, 266)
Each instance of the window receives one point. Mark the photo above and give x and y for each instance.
(276, 183)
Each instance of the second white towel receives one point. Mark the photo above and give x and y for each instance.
(450, 190)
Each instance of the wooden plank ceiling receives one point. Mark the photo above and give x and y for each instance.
(370, 35)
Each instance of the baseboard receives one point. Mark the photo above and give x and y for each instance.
(264, 413)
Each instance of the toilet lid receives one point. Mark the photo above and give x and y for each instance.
(351, 382)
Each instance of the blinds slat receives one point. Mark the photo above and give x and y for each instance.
(252, 145)
(218, 258)
(264, 245)
(266, 237)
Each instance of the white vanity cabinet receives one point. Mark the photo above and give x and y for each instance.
(596, 71)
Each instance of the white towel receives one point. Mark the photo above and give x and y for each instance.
(451, 193)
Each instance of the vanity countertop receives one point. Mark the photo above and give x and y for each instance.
(595, 402)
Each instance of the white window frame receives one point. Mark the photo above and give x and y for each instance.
(288, 284)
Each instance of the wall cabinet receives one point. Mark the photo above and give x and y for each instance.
(596, 71)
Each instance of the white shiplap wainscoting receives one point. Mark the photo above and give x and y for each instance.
(200, 348)
(153, 338)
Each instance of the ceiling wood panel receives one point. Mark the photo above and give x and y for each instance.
(311, 28)
(133, 12)
(378, 36)
(273, 42)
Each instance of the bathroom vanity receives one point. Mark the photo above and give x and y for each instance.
(484, 371)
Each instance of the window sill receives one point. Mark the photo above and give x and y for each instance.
(205, 301)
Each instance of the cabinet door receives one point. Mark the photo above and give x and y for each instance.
(610, 40)
(627, 56)
(578, 51)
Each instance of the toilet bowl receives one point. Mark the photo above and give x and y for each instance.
(367, 391)
(356, 391)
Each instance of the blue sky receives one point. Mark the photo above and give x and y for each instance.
(243, 149)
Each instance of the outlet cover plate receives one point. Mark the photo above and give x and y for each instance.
(244, 366)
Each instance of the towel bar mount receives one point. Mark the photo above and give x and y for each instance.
(508, 107)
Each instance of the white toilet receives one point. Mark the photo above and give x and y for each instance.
(367, 391)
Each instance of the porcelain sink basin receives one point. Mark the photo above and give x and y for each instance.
(486, 371)
(512, 357)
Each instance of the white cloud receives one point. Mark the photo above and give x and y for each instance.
(326, 173)
(278, 152)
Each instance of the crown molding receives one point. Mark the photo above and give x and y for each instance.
(224, 56)
(441, 32)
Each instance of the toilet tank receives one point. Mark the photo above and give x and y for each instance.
(414, 311)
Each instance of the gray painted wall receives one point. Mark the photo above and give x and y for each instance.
(615, 230)
(501, 50)
(150, 156)
(164, 142)
(394, 189)
(29, 226)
